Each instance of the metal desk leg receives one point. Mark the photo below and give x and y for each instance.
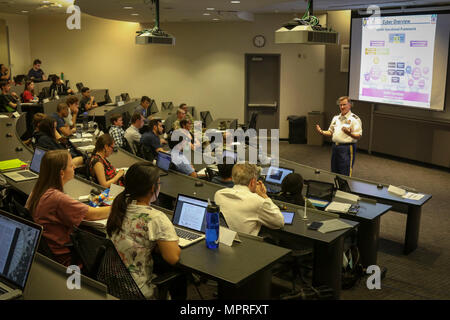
(257, 288)
(412, 229)
(328, 265)
(368, 235)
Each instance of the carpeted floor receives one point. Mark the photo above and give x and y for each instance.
(424, 273)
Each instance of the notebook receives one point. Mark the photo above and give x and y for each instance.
(189, 219)
(33, 172)
(163, 162)
(19, 240)
(274, 178)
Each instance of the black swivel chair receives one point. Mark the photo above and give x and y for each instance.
(79, 86)
(102, 263)
(206, 118)
(252, 123)
(20, 211)
(253, 119)
(126, 120)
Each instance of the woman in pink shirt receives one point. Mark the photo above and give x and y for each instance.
(56, 211)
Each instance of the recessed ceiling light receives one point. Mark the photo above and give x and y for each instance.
(210, 9)
(216, 19)
(235, 2)
(135, 14)
(25, 11)
(128, 8)
(207, 14)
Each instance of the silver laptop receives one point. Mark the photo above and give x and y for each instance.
(274, 178)
(19, 240)
(189, 219)
(33, 172)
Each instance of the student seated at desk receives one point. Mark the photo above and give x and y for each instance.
(87, 101)
(100, 168)
(187, 125)
(246, 206)
(56, 211)
(62, 112)
(132, 134)
(9, 101)
(5, 73)
(151, 138)
(179, 159)
(36, 73)
(225, 173)
(291, 191)
(71, 119)
(28, 94)
(47, 137)
(144, 109)
(137, 230)
(116, 131)
(58, 88)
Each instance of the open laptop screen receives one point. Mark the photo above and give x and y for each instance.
(35, 165)
(276, 175)
(190, 213)
(164, 160)
(18, 243)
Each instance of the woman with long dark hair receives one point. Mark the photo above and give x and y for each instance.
(137, 229)
(56, 211)
(47, 137)
(100, 168)
(28, 93)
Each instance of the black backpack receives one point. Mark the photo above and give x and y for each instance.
(354, 271)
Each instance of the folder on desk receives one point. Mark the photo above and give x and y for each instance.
(11, 164)
(338, 207)
(333, 225)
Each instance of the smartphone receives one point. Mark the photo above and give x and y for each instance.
(315, 225)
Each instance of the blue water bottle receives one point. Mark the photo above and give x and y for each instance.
(212, 226)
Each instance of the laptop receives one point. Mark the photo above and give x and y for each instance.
(274, 178)
(19, 240)
(163, 162)
(33, 172)
(319, 193)
(189, 219)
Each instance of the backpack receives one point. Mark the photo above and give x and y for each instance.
(352, 270)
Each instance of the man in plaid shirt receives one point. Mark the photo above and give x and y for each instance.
(116, 130)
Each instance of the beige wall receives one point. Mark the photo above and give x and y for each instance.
(19, 42)
(206, 67)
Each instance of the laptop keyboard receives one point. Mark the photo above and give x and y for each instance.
(187, 234)
(273, 189)
(27, 174)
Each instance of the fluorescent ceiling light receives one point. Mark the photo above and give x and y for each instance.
(210, 9)
(235, 2)
(128, 8)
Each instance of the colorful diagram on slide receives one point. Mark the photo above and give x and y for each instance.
(397, 60)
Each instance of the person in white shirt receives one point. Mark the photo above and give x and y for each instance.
(246, 206)
(345, 130)
(132, 134)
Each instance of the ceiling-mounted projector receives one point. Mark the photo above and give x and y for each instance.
(306, 30)
(152, 37)
(306, 34)
(155, 35)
